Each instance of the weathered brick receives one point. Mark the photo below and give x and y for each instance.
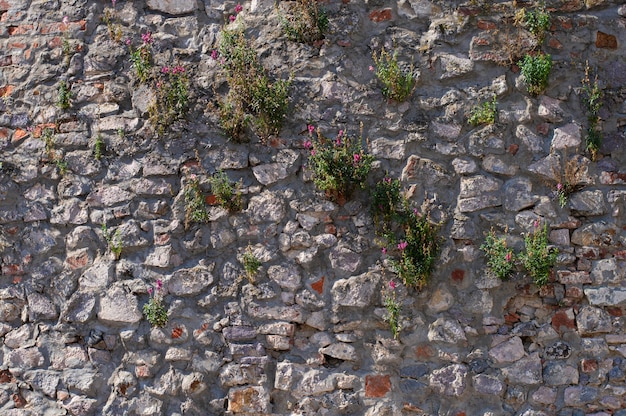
(377, 385)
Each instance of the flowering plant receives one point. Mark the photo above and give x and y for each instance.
(500, 258)
(141, 58)
(386, 198)
(393, 308)
(398, 84)
(172, 97)
(539, 258)
(195, 203)
(154, 310)
(338, 165)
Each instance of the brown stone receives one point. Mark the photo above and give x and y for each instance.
(606, 41)
(458, 275)
(513, 148)
(377, 385)
(564, 320)
(424, 352)
(588, 365)
(380, 15)
(248, 400)
(318, 286)
(486, 25)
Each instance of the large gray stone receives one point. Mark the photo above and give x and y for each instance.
(518, 194)
(558, 373)
(592, 320)
(508, 351)
(357, 291)
(118, 307)
(189, 282)
(446, 330)
(286, 276)
(175, 7)
(587, 203)
(449, 380)
(267, 207)
(524, 371)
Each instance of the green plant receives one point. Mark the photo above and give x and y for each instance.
(114, 29)
(339, 165)
(570, 178)
(592, 98)
(536, 70)
(99, 147)
(538, 258)
(47, 135)
(500, 258)
(537, 22)
(226, 193)
(416, 250)
(155, 310)
(172, 98)
(251, 264)
(64, 99)
(484, 113)
(114, 241)
(393, 309)
(305, 22)
(251, 95)
(398, 84)
(141, 58)
(195, 203)
(386, 198)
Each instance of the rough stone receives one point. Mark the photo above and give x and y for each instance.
(557, 373)
(587, 203)
(508, 351)
(175, 7)
(357, 291)
(446, 330)
(518, 194)
(591, 320)
(118, 307)
(527, 370)
(449, 380)
(487, 384)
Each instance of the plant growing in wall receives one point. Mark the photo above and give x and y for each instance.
(386, 200)
(393, 309)
(53, 156)
(591, 95)
(537, 22)
(141, 57)
(172, 98)
(339, 165)
(195, 202)
(500, 258)
(484, 113)
(304, 22)
(398, 84)
(99, 147)
(536, 70)
(227, 194)
(539, 258)
(251, 264)
(155, 311)
(64, 100)
(114, 241)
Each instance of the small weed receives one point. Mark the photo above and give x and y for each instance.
(398, 84)
(195, 203)
(121, 133)
(251, 264)
(339, 165)
(537, 22)
(592, 98)
(141, 58)
(226, 193)
(99, 147)
(47, 135)
(484, 113)
(536, 70)
(233, 118)
(386, 200)
(61, 165)
(64, 100)
(114, 29)
(570, 179)
(269, 102)
(500, 258)
(114, 241)
(393, 309)
(538, 258)
(305, 22)
(172, 98)
(155, 310)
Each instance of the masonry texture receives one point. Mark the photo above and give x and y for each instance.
(309, 336)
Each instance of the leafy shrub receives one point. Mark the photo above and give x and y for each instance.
(500, 258)
(99, 147)
(53, 156)
(537, 22)
(114, 241)
(195, 202)
(538, 258)
(154, 310)
(398, 84)
(536, 70)
(251, 264)
(484, 113)
(338, 165)
(305, 22)
(226, 193)
(64, 100)
(386, 199)
(141, 58)
(172, 97)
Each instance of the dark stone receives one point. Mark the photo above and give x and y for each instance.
(411, 386)
(414, 371)
(478, 365)
(20, 120)
(558, 350)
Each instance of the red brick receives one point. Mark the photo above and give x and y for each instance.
(458, 275)
(4, 133)
(4, 5)
(543, 129)
(380, 15)
(161, 239)
(513, 148)
(555, 44)
(564, 320)
(12, 269)
(377, 385)
(588, 365)
(424, 352)
(486, 25)
(19, 135)
(211, 199)
(566, 23)
(78, 261)
(318, 286)
(606, 41)
(574, 292)
(511, 318)
(572, 6)
(19, 30)
(614, 311)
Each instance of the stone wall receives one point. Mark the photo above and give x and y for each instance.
(309, 337)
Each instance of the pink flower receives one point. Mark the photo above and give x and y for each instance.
(159, 284)
(147, 38)
(128, 42)
(150, 291)
(402, 245)
(113, 2)
(371, 68)
(307, 144)
(392, 284)
(387, 181)
(158, 85)
(384, 250)
(559, 186)
(66, 20)
(214, 54)
(311, 128)
(536, 224)
(356, 158)
(508, 256)
(313, 152)
(165, 70)
(231, 18)
(238, 8)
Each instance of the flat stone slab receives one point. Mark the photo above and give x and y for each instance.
(173, 6)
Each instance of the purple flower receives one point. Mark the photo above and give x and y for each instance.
(113, 2)
(387, 181)
(392, 284)
(238, 8)
(402, 245)
(159, 284)
(147, 38)
(536, 224)
(356, 158)
(313, 152)
(214, 54)
(384, 250)
(231, 18)
(371, 68)
(311, 128)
